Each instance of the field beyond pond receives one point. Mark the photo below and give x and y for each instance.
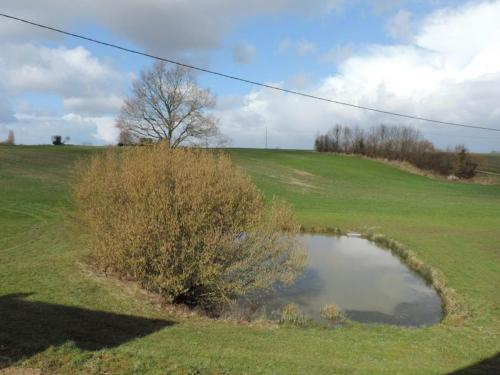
(58, 317)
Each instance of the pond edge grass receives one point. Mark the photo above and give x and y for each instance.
(454, 312)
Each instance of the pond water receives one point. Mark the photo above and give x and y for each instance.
(370, 284)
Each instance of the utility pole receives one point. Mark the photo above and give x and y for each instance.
(266, 137)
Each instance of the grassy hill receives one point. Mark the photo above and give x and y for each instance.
(57, 316)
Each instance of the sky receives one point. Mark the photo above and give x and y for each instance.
(438, 59)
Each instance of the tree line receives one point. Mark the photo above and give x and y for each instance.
(401, 143)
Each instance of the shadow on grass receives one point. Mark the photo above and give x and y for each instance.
(30, 327)
(486, 366)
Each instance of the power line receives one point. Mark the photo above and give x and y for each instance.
(236, 78)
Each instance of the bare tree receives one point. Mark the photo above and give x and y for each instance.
(167, 104)
(402, 143)
(10, 138)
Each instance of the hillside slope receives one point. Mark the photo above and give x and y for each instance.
(57, 316)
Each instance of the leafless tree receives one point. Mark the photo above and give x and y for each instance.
(167, 104)
(10, 138)
(402, 143)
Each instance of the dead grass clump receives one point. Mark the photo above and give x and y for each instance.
(333, 313)
(291, 316)
(185, 223)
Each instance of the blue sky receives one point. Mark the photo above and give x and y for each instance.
(430, 58)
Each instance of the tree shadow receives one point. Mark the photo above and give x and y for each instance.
(30, 327)
(486, 366)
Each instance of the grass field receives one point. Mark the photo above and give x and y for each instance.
(57, 316)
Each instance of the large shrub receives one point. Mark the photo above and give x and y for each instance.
(185, 223)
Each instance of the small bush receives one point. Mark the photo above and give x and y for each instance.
(333, 313)
(185, 223)
(291, 316)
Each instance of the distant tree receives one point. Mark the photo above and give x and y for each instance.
(11, 140)
(465, 166)
(126, 138)
(57, 140)
(167, 104)
(402, 143)
(359, 142)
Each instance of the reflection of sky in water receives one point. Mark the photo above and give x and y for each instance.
(369, 283)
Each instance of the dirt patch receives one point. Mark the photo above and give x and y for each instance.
(302, 173)
(299, 183)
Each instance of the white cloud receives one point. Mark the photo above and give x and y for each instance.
(163, 26)
(400, 27)
(105, 129)
(450, 73)
(86, 86)
(91, 89)
(244, 53)
(36, 129)
(93, 106)
(460, 34)
(6, 111)
(66, 71)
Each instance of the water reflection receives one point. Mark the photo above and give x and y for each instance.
(369, 283)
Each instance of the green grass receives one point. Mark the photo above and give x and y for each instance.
(69, 320)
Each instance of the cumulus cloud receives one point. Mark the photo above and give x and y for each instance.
(451, 73)
(192, 26)
(67, 71)
(91, 89)
(400, 27)
(92, 106)
(244, 53)
(36, 129)
(86, 86)
(6, 111)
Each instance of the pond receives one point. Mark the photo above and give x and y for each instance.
(370, 284)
